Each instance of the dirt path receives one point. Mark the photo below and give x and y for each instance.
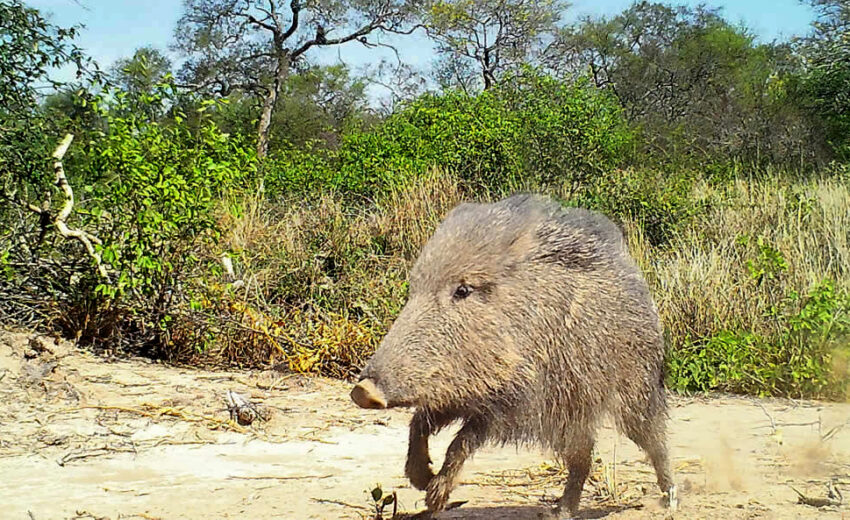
(82, 437)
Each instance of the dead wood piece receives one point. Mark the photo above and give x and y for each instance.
(272, 477)
(85, 515)
(52, 439)
(339, 503)
(833, 497)
(86, 238)
(212, 422)
(80, 455)
(243, 411)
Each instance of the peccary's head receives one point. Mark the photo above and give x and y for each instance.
(451, 344)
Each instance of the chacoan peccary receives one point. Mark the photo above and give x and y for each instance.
(528, 322)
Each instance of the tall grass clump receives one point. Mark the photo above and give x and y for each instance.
(755, 292)
(320, 279)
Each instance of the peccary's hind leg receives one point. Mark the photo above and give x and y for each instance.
(578, 456)
(418, 469)
(649, 432)
(470, 437)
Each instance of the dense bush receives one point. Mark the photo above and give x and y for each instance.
(532, 129)
(754, 292)
(148, 192)
(807, 357)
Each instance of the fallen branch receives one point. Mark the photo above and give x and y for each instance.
(59, 222)
(80, 455)
(157, 411)
(833, 497)
(270, 477)
(339, 503)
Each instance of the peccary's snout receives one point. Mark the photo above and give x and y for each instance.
(367, 395)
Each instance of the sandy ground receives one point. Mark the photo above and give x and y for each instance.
(86, 437)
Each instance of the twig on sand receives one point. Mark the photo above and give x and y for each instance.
(79, 455)
(169, 411)
(832, 431)
(339, 503)
(769, 417)
(834, 497)
(272, 477)
(85, 515)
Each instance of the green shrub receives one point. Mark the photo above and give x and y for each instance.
(298, 170)
(806, 358)
(658, 202)
(531, 129)
(149, 192)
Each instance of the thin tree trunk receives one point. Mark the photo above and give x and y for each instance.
(264, 127)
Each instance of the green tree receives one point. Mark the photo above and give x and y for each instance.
(141, 72)
(30, 48)
(318, 104)
(826, 78)
(694, 83)
(315, 106)
(138, 76)
(251, 45)
(487, 38)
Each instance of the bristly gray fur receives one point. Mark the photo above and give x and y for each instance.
(558, 330)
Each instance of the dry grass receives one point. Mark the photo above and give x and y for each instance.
(323, 278)
(702, 282)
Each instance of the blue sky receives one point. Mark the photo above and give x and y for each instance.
(115, 28)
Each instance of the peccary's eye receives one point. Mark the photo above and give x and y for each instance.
(462, 292)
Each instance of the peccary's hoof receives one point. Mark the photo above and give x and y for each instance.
(367, 395)
(672, 498)
(557, 513)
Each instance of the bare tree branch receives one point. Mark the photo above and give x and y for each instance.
(59, 222)
(295, 7)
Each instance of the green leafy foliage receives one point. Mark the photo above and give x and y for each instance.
(808, 357)
(531, 128)
(380, 501)
(30, 47)
(149, 191)
(825, 81)
(153, 190)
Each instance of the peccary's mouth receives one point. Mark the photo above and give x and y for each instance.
(367, 395)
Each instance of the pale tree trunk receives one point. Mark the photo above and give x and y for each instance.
(264, 127)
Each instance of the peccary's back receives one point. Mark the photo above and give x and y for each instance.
(590, 327)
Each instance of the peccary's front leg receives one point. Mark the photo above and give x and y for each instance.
(470, 437)
(418, 466)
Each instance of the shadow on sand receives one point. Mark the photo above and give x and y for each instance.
(515, 513)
